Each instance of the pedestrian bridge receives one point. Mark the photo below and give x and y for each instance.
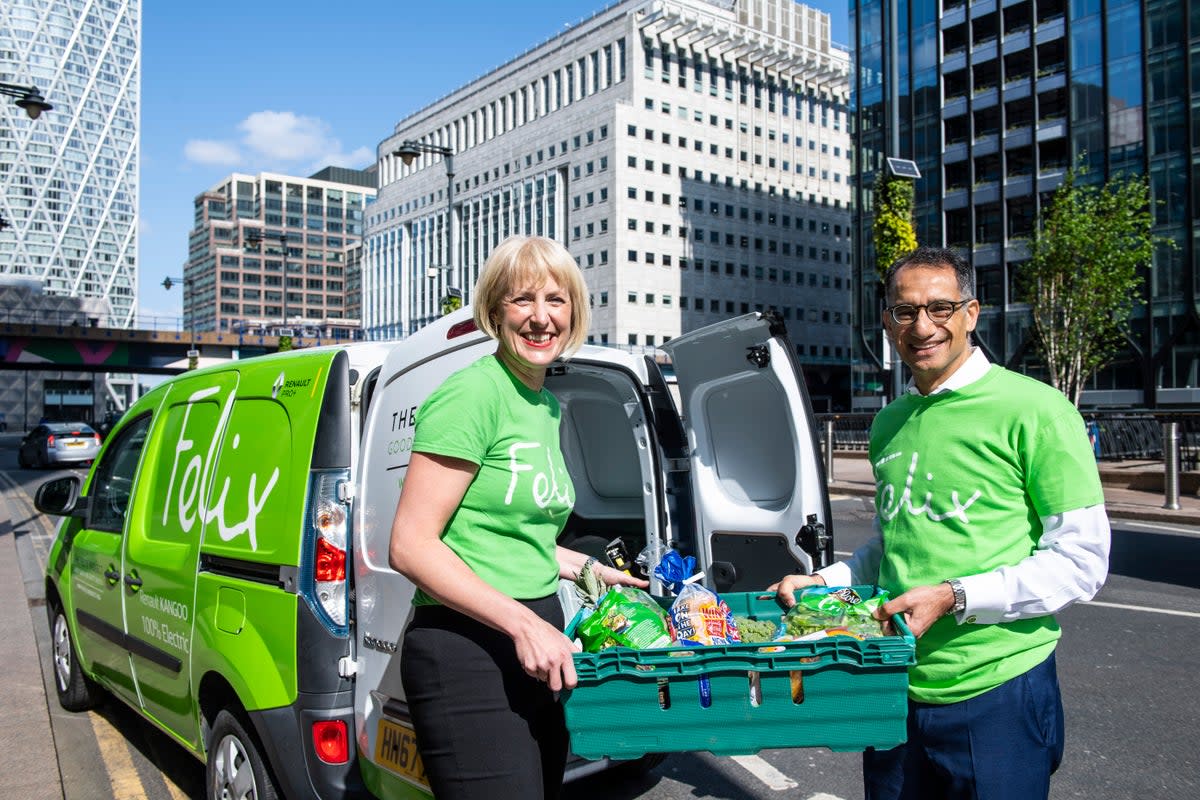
(86, 348)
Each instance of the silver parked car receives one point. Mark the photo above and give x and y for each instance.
(54, 443)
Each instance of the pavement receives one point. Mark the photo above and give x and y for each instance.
(1132, 489)
(28, 759)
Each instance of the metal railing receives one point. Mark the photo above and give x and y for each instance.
(1172, 437)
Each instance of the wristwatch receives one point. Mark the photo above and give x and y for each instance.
(960, 596)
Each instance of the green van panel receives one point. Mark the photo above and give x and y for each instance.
(231, 610)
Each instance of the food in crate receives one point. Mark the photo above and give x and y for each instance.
(625, 617)
(823, 611)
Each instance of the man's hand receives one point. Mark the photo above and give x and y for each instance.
(785, 589)
(921, 607)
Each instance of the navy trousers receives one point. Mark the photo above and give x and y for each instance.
(1002, 745)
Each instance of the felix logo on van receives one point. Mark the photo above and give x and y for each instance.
(194, 485)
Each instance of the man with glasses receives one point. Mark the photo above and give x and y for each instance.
(989, 520)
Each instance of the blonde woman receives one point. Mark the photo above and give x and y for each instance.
(485, 498)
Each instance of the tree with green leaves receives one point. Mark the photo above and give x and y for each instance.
(893, 227)
(1084, 277)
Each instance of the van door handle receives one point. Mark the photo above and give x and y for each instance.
(133, 581)
(112, 575)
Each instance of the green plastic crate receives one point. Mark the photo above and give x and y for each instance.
(851, 694)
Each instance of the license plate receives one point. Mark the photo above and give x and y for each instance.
(396, 749)
(76, 444)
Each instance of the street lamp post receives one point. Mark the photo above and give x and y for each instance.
(193, 355)
(256, 236)
(408, 151)
(27, 97)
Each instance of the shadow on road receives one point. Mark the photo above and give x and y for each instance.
(1162, 557)
(689, 770)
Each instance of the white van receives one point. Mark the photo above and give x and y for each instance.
(732, 476)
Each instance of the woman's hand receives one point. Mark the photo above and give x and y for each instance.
(570, 563)
(545, 653)
(615, 577)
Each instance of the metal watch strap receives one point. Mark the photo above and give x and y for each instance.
(960, 596)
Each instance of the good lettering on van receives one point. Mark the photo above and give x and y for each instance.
(192, 491)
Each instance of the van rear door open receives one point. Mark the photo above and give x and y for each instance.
(755, 463)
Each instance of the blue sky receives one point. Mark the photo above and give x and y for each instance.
(254, 85)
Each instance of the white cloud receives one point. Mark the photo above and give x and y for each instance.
(279, 140)
(284, 136)
(209, 151)
(357, 159)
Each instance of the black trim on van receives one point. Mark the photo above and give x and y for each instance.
(286, 737)
(331, 445)
(253, 571)
(134, 645)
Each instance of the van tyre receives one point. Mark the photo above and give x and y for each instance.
(235, 769)
(76, 691)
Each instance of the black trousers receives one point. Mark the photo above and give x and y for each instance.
(484, 727)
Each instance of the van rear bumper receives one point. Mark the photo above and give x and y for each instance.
(286, 737)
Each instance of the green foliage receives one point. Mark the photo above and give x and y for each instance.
(451, 303)
(1083, 276)
(893, 227)
(285, 343)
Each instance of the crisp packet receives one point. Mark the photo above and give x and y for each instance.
(699, 617)
(625, 617)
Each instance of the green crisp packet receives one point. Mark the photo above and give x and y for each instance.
(625, 617)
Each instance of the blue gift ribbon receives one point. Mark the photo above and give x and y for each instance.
(674, 569)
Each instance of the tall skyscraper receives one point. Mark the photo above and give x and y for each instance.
(69, 180)
(997, 99)
(692, 155)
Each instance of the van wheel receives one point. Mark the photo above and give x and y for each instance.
(236, 770)
(76, 691)
(22, 461)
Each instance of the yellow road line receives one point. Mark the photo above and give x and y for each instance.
(176, 792)
(114, 753)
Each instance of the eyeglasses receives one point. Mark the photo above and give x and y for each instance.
(938, 311)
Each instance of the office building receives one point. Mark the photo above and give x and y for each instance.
(997, 99)
(693, 156)
(251, 230)
(69, 179)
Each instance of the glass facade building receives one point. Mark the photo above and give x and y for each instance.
(996, 100)
(69, 180)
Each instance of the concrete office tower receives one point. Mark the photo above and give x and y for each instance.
(233, 283)
(693, 156)
(997, 99)
(69, 179)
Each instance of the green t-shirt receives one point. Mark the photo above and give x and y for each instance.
(506, 526)
(962, 481)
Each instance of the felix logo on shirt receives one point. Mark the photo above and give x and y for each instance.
(889, 505)
(545, 487)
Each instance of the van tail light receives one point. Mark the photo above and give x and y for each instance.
(323, 573)
(331, 741)
(96, 438)
(461, 329)
(50, 440)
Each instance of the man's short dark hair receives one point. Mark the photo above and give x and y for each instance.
(933, 257)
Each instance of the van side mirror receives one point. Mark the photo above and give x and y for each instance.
(61, 497)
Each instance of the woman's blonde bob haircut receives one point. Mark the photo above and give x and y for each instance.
(525, 262)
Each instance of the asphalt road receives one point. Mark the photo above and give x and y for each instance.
(1126, 662)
